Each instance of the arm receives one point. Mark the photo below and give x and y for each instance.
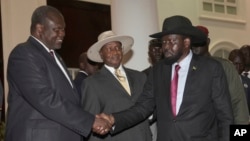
(222, 104)
(35, 80)
(137, 113)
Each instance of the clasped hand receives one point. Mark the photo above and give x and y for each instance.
(103, 123)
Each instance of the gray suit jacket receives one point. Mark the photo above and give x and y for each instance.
(42, 105)
(102, 92)
(205, 113)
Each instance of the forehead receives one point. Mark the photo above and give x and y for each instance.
(112, 43)
(55, 18)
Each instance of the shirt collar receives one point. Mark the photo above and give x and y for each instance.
(185, 62)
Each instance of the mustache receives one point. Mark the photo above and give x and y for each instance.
(172, 59)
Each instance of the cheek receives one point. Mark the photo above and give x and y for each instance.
(175, 48)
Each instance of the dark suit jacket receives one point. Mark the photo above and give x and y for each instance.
(246, 84)
(147, 70)
(79, 81)
(205, 113)
(102, 92)
(42, 105)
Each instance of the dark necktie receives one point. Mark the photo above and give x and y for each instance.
(52, 54)
(174, 87)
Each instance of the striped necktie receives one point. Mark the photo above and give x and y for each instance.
(122, 79)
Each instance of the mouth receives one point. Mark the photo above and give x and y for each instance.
(59, 40)
(168, 53)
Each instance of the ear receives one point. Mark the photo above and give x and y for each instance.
(187, 42)
(39, 30)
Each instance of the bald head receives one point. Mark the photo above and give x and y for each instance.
(41, 14)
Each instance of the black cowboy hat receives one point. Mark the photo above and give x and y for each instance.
(183, 26)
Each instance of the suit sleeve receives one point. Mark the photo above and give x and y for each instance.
(30, 74)
(144, 106)
(222, 104)
(89, 98)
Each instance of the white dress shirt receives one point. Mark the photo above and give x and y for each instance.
(183, 72)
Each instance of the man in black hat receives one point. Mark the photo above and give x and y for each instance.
(191, 100)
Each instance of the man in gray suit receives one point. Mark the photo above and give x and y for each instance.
(201, 111)
(43, 104)
(103, 91)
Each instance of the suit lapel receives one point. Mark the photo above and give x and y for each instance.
(51, 60)
(167, 73)
(113, 80)
(191, 79)
(130, 82)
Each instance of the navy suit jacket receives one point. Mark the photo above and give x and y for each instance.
(80, 77)
(205, 113)
(42, 105)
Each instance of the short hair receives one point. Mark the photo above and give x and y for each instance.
(236, 53)
(40, 15)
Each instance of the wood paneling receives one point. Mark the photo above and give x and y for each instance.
(84, 22)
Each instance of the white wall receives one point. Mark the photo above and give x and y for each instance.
(16, 16)
(107, 2)
(231, 33)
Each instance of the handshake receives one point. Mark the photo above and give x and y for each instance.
(103, 123)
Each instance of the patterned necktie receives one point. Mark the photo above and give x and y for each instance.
(122, 79)
(174, 87)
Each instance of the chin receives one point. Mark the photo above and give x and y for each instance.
(170, 61)
(58, 47)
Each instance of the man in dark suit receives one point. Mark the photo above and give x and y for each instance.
(201, 111)
(238, 59)
(102, 92)
(43, 104)
(87, 68)
(236, 90)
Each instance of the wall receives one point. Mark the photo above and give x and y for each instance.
(107, 2)
(15, 26)
(230, 33)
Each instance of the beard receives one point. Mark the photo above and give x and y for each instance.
(172, 59)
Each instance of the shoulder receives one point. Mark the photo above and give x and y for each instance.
(134, 73)
(223, 61)
(28, 48)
